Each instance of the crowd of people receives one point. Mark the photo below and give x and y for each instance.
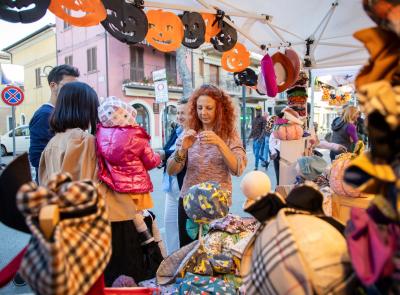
(100, 140)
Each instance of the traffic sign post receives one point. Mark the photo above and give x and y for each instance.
(12, 96)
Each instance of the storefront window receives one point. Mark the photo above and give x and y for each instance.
(142, 117)
(170, 122)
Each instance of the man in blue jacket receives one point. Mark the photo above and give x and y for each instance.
(39, 128)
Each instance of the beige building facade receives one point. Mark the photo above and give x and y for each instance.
(37, 54)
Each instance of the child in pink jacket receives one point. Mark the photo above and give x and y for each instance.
(124, 158)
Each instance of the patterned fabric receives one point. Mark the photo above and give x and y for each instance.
(206, 201)
(205, 163)
(199, 263)
(270, 124)
(258, 128)
(194, 285)
(297, 254)
(114, 112)
(80, 246)
(234, 224)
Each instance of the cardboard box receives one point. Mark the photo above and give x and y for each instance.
(341, 206)
(287, 172)
(291, 150)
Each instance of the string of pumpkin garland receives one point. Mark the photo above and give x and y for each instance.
(164, 30)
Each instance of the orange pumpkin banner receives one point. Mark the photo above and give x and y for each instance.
(211, 30)
(165, 30)
(94, 11)
(237, 59)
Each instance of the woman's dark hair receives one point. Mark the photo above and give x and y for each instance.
(76, 107)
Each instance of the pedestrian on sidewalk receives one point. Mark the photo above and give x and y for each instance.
(172, 184)
(258, 136)
(39, 126)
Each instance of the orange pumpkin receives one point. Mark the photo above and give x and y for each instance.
(339, 166)
(165, 30)
(237, 59)
(211, 30)
(289, 132)
(94, 11)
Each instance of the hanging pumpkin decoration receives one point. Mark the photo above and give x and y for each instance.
(246, 77)
(289, 132)
(325, 94)
(226, 39)
(165, 30)
(18, 11)
(125, 21)
(194, 29)
(339, 166)
(212, 28)
(94, 11)
(237, 59)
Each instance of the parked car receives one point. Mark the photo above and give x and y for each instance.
(22, 141)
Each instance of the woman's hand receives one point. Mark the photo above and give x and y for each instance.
(209, 137)
(188, 139)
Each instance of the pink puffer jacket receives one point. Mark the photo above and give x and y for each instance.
(124, 156)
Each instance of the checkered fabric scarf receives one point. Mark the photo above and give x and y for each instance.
(114, 112)
(80, 246)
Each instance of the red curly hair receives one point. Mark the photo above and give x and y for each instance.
(225, 114)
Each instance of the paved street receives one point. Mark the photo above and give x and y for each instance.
(12, 242)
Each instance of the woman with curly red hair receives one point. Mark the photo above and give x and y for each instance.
(210, 147)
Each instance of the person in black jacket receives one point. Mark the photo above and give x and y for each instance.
(172, 184)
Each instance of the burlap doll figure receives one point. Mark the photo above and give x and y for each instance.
(72, 258)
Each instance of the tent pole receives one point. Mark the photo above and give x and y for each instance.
(325, 23)
(340, 45)
(275, 31)
(154, 4)
(312, 82)
(285, 31)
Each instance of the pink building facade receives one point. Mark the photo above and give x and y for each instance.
(116, 69)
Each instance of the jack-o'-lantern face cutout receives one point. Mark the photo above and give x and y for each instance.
(246, 77)
(21, 11)
(237, 59)
(80, 13)
(125, 21)
(165, 30)
(194, 29)
(226, 39)
(212, 27)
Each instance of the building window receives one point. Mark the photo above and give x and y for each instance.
(67, 25)
(142, 117)
(68, 60)
(22, 119)
(9, 122)
(201, 67)
(137, 64)
(214, 75)
(92, 59)
(170, 66)
(38, 78)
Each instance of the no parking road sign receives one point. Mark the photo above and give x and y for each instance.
(12, 95)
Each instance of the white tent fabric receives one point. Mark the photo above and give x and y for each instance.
(319, 30)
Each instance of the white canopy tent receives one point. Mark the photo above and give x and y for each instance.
(319, 30)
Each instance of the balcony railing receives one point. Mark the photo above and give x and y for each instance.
(131, 73)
